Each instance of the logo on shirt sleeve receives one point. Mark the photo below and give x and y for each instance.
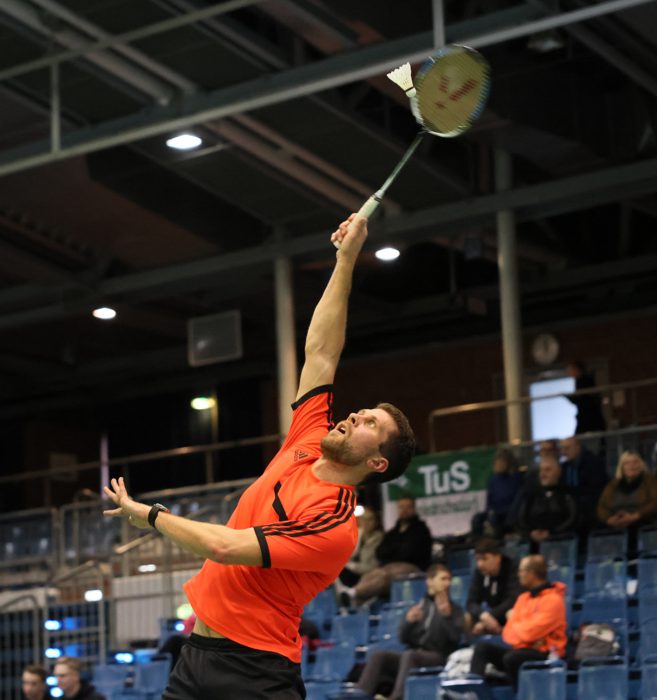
(299, 455)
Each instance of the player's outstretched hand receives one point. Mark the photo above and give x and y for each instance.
(137, 513)
(350, 235)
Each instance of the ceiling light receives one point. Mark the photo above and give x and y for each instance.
(387, 254)
(146, 568)
(184, 142)
(359, 510)
(93, 595)
(104, 313)
(202, 403)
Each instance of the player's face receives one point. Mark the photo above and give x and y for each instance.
(33, 686)
(358, 438)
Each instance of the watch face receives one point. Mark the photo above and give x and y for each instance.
(545, 349)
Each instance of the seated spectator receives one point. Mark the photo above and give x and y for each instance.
(549, 508)
(584, 474)
(405, 549)
(501, 491)
(493, 589)
(67, 672)
(432, 630)
(370, 536)
(175, 642)
(33, 683)
(630, 499)
(536, 624)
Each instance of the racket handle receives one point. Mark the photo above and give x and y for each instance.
(370, 206)
(367, 210)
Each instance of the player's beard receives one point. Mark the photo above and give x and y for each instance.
(338, 450)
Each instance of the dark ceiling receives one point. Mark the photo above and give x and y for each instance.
(299, 126)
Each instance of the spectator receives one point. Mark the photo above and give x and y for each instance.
(67, 673)
(548, 448)
(549, 507)
(589, 406)
(33, 683)
(584, 474)
(432, 629)
(405, 549)
(370, 536)
(630, 499)
(502, 488)
(174, 643)
(493, 590)
(536, 624)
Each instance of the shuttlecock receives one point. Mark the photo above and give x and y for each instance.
(402, 77)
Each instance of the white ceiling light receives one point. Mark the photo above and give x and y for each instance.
(202, 403)
(104, 313)
(184, 142)
(387, 254)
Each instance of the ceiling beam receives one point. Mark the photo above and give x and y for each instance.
(272, 89)
(529, 203)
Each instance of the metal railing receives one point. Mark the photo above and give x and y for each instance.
(607, 389)
(20, 642)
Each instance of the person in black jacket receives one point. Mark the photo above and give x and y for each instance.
(405, 549)
(67, 673)
(549, 507)
(590, 418)
(584, 474)
(493, 589)
(432, 630)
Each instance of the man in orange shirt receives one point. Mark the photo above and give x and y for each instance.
(536, 624)
(293, 530)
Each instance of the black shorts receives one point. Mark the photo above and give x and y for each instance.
(220, 668)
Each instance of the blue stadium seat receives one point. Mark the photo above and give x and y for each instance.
(151, 678)
(606, 578)
(540, 680)
(321, 611)
(600, 609)
(649, 678)
(647, 597)
(516, 550)
(110, 678)
(333, 663)
(319, 690)
(410, 588)
(460, 587)
(422, 686)
(647, 567)
(647, 541)
(353, 628)
(648, 637)
(560, 551)
(390, 618)
(606, 544)
(603, 679)
(460, 559)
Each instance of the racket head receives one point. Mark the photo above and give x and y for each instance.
(452, 88)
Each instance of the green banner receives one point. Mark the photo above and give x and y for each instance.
(447, 473)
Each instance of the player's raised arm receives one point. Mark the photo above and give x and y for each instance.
(326, 333)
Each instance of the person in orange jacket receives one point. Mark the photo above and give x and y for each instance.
(535, 627)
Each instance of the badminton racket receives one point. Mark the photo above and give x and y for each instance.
(449, 93)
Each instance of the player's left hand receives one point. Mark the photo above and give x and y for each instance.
(137, 513)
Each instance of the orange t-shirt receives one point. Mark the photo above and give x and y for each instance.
(307, 532)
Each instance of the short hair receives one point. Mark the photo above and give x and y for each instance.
(511, 461)
(624, 456)
(37, 670)
(70, 661)
(537, 565)
(487, 545)
(398, 449)
(435, 568)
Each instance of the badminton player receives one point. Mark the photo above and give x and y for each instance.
(293, 530)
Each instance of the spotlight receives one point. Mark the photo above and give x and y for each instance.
(184, 142)
(387, 254)
(202, 403)
(104, 313)
(93, 595)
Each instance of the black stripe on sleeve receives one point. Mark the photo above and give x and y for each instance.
(264, 548)
(325, 388)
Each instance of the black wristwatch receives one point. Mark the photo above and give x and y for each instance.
(155, 510)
